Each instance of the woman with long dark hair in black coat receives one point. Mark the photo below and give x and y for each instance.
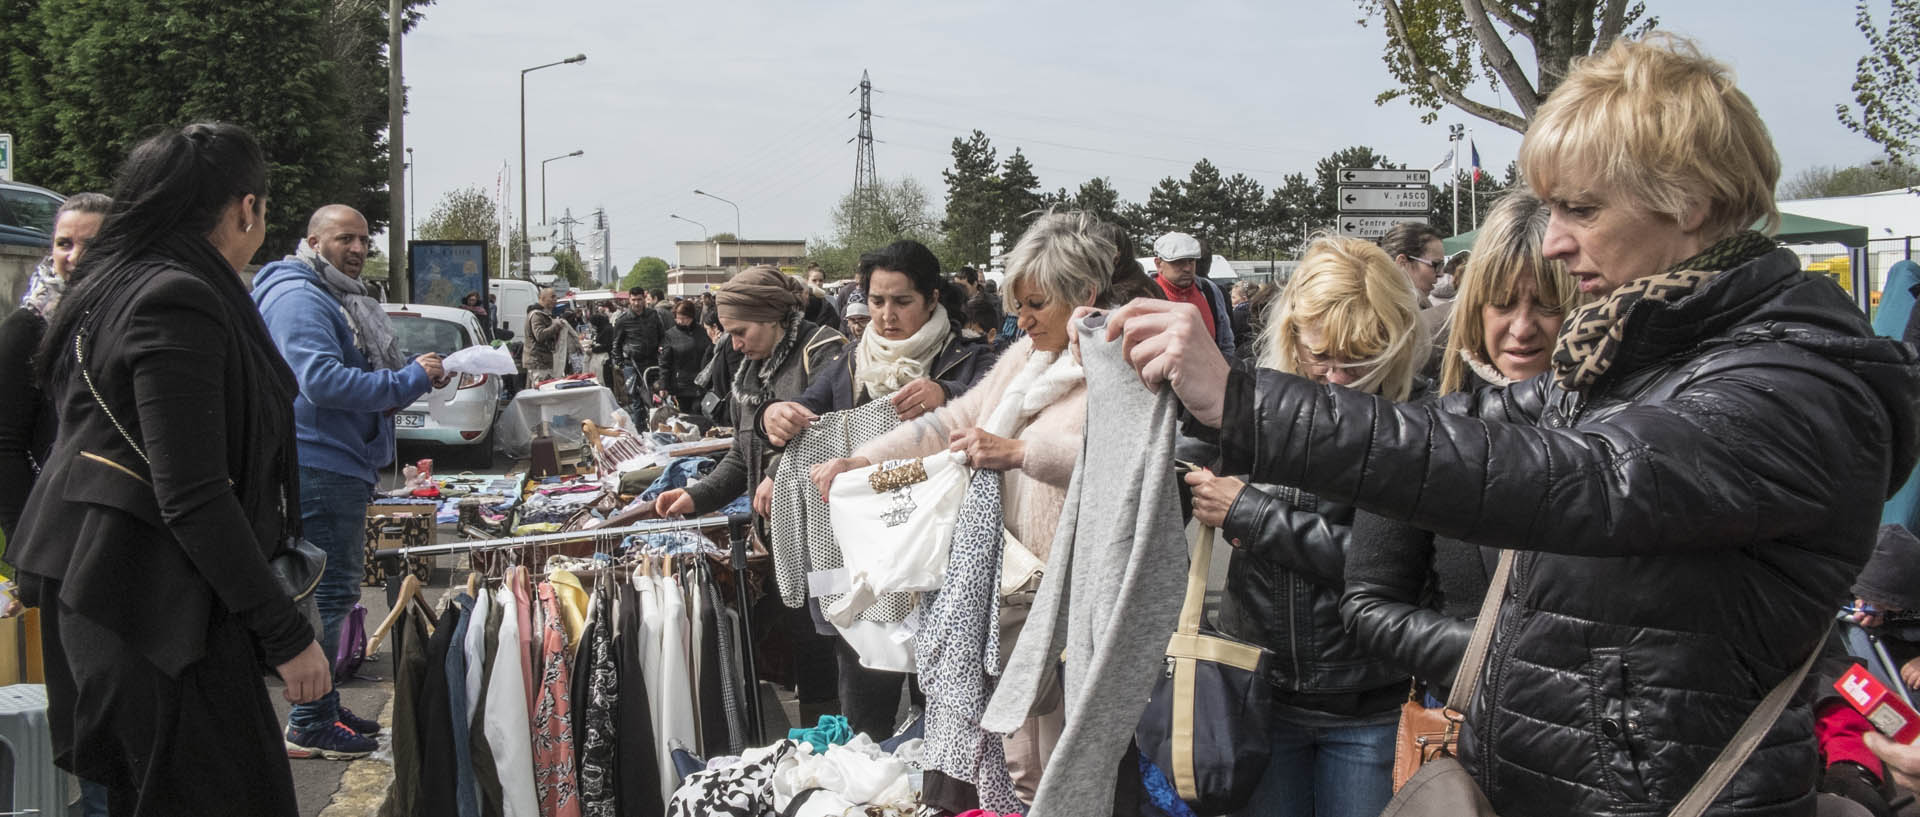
(147, 539)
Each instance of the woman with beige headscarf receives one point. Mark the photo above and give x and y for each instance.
(760, 314)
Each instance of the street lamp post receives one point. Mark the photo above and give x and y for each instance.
(413, 197)
(704, 235)
(543, 180)
(736, 226)
(523, 141)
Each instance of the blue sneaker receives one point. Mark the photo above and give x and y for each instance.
(367, 727)
(333, 742)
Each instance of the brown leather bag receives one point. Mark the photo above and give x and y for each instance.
(1424, 734)
(1442, 787)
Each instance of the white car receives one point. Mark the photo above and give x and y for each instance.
(466, 421)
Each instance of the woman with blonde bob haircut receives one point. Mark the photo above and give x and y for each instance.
(1347, 317)
(1680, 502)
(1511, 301)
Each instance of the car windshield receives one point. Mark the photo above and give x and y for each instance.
(419, 335)
(31, 209)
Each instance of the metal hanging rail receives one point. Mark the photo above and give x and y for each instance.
(665, 526)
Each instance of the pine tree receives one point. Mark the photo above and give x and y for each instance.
(1020, 199)
(972, 198)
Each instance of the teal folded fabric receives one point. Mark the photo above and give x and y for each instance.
(832, 731)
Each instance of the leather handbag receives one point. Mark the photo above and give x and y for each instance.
(1443, 787)
(1424, 734)
(1205, 726)
(299, 564)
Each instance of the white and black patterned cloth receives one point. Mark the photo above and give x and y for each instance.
(598, 744)
(802, 531)
(741, 790)
(958, 651)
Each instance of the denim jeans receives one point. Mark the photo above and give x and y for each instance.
(333, 516)
(1325, 771)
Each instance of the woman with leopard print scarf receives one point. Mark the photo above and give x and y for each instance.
(1683, 502)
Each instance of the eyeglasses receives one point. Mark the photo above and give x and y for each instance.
(1431, 262)
(1314, 364)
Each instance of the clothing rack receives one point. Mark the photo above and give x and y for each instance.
(557, 538)
(737, 544)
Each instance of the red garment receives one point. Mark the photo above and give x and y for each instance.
(517, 580)
(553, 770)
(1191, 294)
(1840, 732)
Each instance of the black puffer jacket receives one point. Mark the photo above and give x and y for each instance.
(1690, 524)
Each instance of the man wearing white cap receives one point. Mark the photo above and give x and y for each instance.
(1175, 259)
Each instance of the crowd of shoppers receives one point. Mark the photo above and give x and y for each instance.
(1635, 407)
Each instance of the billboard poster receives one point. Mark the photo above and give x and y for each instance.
(441, 273)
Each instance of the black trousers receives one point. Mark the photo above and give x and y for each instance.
(869, 698)
(204, 743)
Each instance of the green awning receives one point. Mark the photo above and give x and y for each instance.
(1793, 230)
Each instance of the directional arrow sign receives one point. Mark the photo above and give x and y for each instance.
(1361, 175)
(540, 246)
(1370, 226)
(1382, 199)
(542, 263)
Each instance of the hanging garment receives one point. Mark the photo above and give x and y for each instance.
(598, 736)
(520, 584)
(509, 733)
(434, 723)
(483, 646)
(745, 788)
(579, 691)
(1112, 594)
(409, 671)
(801, 527)
(714, 737)
(573, 604)
(465, 789)
(654, 659)
(894, 522)
(677, 725)
(552, 720)
(637, 785)
(726, 666)
(958, 649)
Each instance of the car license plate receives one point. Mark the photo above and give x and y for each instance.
(407, 420)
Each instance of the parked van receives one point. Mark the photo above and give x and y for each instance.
(511, 298)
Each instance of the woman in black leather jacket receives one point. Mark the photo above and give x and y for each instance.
(1689, 492)
(1410, 595)
(146, 542)
(1347, 318)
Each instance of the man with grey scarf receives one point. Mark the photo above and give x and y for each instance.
(352, 379)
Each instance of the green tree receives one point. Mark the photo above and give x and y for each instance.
(1289, 212)
(1020, 199)
(1098, 197)
(1239, 232)
(973, 192)
(863, 223)
(648, 272)
(567, 264)
(1166, 210)
(1438, 49)
(1870, 177)
(1886, 82)
(82, 81)
(1205, 198)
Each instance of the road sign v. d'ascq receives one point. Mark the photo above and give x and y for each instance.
(1382, 199)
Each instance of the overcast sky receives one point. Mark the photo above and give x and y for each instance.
(750, 100)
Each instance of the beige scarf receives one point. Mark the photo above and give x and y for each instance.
(882, 367)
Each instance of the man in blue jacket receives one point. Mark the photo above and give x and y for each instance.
(352, 378)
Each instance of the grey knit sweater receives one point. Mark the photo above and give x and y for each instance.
(1113, 590)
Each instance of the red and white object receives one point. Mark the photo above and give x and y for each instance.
(1881, 706)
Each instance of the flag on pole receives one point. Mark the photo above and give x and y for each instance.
(1444, 163)
(1475, 150)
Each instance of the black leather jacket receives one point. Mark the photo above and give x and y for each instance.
(1689, 524)
(1282, 592)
